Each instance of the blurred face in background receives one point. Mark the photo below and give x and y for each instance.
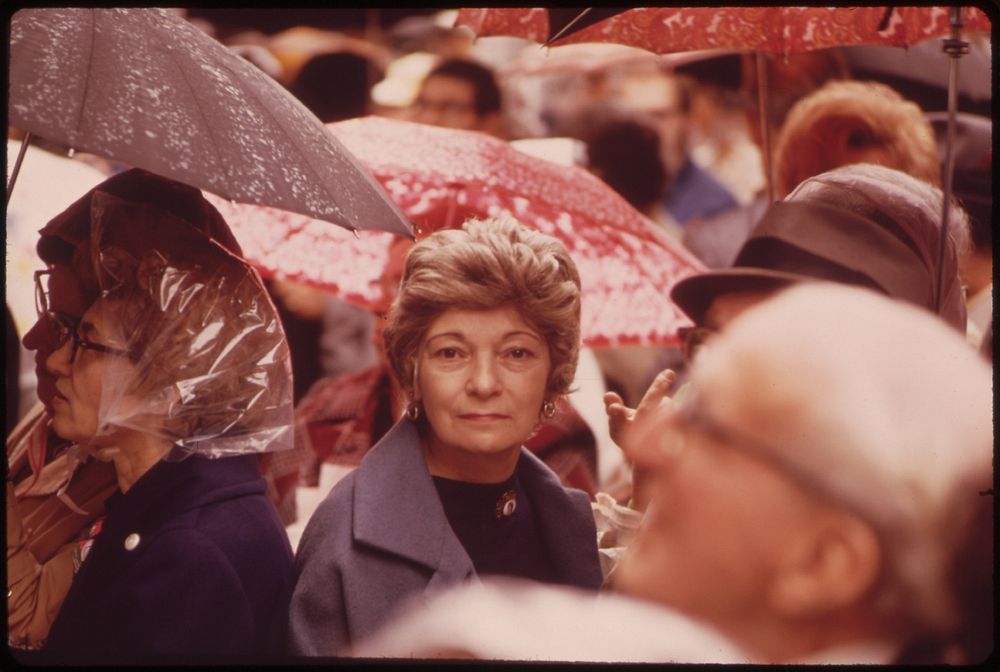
(657, 98)
(449, 102)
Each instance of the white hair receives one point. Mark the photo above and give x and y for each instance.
(875, 404)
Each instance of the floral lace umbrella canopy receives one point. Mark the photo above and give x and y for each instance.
(440, 177)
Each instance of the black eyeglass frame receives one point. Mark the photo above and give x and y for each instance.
(692, 338)
(42, 293)
(67, 329)
(692, 415)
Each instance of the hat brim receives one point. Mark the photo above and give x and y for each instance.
(695, 294)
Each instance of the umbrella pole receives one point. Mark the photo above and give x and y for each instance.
(565, 28)
(17, 164)
(955, 47)
(765, 132)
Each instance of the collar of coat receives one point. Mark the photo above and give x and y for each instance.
(397, 509)
(171, 488)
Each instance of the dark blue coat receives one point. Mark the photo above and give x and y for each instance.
(381, 535)
(192, 564)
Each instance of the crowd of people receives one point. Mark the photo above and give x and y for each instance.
(808, 478)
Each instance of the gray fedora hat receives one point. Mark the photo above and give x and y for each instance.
(800, 241)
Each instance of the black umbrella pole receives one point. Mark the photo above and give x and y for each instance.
(565, 28)
(17, 165)
(955, 47)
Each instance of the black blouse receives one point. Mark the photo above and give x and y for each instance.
(500, 537)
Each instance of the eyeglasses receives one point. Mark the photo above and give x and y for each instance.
(66, 329)
(42, 291)
(692, 339)
(694, 415)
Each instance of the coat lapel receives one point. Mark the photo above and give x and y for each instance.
(397, 509)
(568, 532)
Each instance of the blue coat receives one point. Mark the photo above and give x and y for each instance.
(382, 535)
(696, 194)
(192, 563)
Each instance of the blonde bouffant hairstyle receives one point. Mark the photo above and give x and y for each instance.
(488, 263)
(847, 122)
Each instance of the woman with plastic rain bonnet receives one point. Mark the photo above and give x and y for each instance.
(483, 337)
(179, 375)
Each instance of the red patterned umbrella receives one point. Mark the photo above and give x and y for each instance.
(439, 177)
(779, 30)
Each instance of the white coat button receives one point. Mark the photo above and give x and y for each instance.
(131, 541)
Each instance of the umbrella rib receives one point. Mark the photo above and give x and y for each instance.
(318, 178)
(291, 139)
(90, 65)
(201, 113)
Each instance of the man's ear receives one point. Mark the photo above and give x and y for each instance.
(833, 562)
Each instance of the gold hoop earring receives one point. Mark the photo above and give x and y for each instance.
(413, 411)
(548, 410)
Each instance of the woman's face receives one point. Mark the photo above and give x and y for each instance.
(481, 379)
(79, 383)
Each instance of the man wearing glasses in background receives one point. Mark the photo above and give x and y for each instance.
(55, 495)
(460, 93)
(861, 224)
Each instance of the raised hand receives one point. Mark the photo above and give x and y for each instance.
(621, 418)
(633, 429)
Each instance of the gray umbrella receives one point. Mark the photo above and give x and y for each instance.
(922, 63)
(146, 88)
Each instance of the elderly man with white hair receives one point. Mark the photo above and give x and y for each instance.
(862, 224)
(813, 493)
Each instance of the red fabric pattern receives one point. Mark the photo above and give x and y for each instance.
(780, 30)
(441, 176)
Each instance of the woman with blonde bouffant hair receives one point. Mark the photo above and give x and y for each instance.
(483, 338)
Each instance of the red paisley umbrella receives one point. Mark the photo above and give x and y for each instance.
(439, 177)
(779, 30)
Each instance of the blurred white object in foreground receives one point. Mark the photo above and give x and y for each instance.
(513, 619)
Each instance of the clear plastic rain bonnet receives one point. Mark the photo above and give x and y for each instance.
(201, 358)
